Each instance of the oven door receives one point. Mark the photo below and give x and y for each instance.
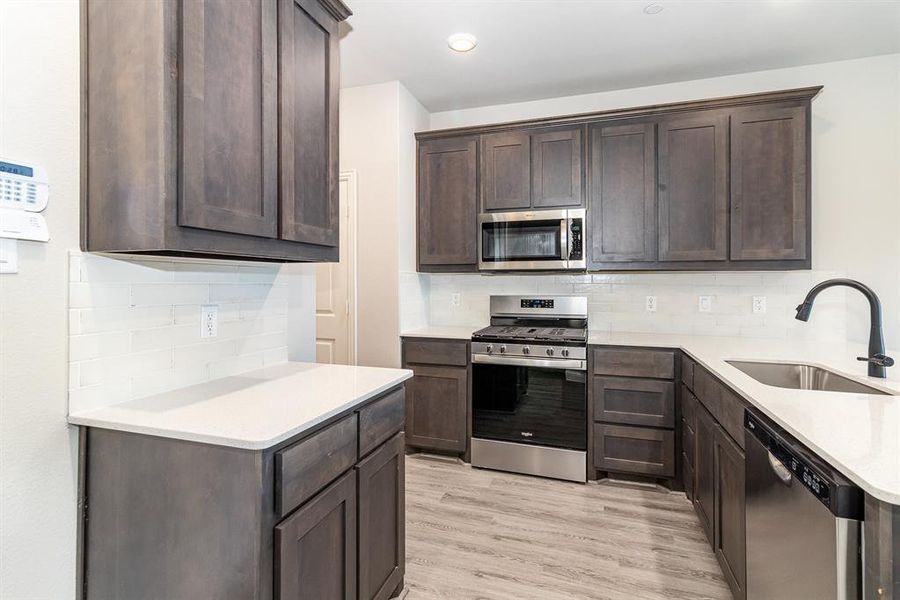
(524, 240)
(542, 404)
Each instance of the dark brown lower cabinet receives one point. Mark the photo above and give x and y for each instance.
(315, 548)
(437, 397)
(730, 534)
(639, 450)
(382, 514)
(705, 471)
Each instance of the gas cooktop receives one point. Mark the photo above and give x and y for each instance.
(532, 334)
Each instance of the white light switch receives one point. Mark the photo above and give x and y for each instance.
(209, 320)
(704, 303)
(9, 256)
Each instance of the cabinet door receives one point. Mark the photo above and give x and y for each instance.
(648, 402)
(693, 193)
(229, 137)
(622, 200)
(730, 536)
(315, 547)
(448, 201)
(556, 168)
(705, 470)
(506, 171)
(309, 82)
(769, 184)
(382, 531)
(436, 400)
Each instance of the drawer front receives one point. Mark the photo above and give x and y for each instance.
(687, 474)
(647, 402)
(435, 352)
(381, 419)
(626, 362)
(309, 465)
(687, 371)
(723, 404)
(634, 450)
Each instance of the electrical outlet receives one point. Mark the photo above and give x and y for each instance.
(651, 303)
(455, 299)
(704, 303)
(759, 305)
(209, 320)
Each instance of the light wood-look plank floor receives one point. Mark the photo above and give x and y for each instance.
(474, 534)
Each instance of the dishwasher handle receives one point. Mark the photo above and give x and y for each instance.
(781, 471)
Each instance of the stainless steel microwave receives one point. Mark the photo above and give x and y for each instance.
(538, 240)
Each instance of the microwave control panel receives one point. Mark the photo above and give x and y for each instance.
(576, 243)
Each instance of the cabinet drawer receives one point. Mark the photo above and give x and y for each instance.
(309, 465)
(634, 401)
(723, 404)
(381, 419)
(435, 352)
(657, 364)
(634, 450)
(687, 371)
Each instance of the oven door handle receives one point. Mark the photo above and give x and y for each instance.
(543, 363)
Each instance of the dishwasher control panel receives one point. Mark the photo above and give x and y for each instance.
(831, 488)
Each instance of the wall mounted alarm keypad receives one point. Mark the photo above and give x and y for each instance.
(23, 186)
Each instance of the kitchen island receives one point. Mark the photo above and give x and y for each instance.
(286, 482)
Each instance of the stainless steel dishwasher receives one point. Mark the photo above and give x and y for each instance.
(803, 521)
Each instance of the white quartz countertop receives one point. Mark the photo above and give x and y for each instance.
(253, 410)
(858, 434)
(447, 333)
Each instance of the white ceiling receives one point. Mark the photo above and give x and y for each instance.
(529, 49)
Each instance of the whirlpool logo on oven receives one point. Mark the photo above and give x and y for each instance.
(527, 434)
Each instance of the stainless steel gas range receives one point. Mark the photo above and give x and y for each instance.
(529, 389)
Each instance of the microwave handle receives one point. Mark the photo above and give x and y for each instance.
(564, 238)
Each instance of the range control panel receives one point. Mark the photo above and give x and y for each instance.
(536, 303)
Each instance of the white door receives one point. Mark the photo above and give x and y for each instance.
(336, 286)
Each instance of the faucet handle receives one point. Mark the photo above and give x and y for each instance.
(879, 359)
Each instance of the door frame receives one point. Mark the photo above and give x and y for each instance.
(350, 177)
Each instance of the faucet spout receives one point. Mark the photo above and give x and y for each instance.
(877, 359)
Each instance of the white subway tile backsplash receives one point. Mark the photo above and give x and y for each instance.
(616, 301)
(134, 324)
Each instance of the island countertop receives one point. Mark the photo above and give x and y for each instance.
(254, 410)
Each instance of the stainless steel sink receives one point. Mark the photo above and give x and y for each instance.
(797, 376)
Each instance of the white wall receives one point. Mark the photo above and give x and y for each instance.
(855, 153)
(38, 454)
(377, 126)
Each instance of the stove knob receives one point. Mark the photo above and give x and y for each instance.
(489, 348)
(549, 351)
(503, 349)
(565, 352)
(526, 350)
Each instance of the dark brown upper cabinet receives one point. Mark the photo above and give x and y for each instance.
(717, 184)
(770, 183)
(210, 128)
(622, 193)
(310, 83)
(507, 171)
(532, 169)
(229, 99)
(556, 159)
(693, 192)
(448, 204)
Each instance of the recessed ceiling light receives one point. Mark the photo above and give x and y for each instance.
(462, 42)
(653, 9)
